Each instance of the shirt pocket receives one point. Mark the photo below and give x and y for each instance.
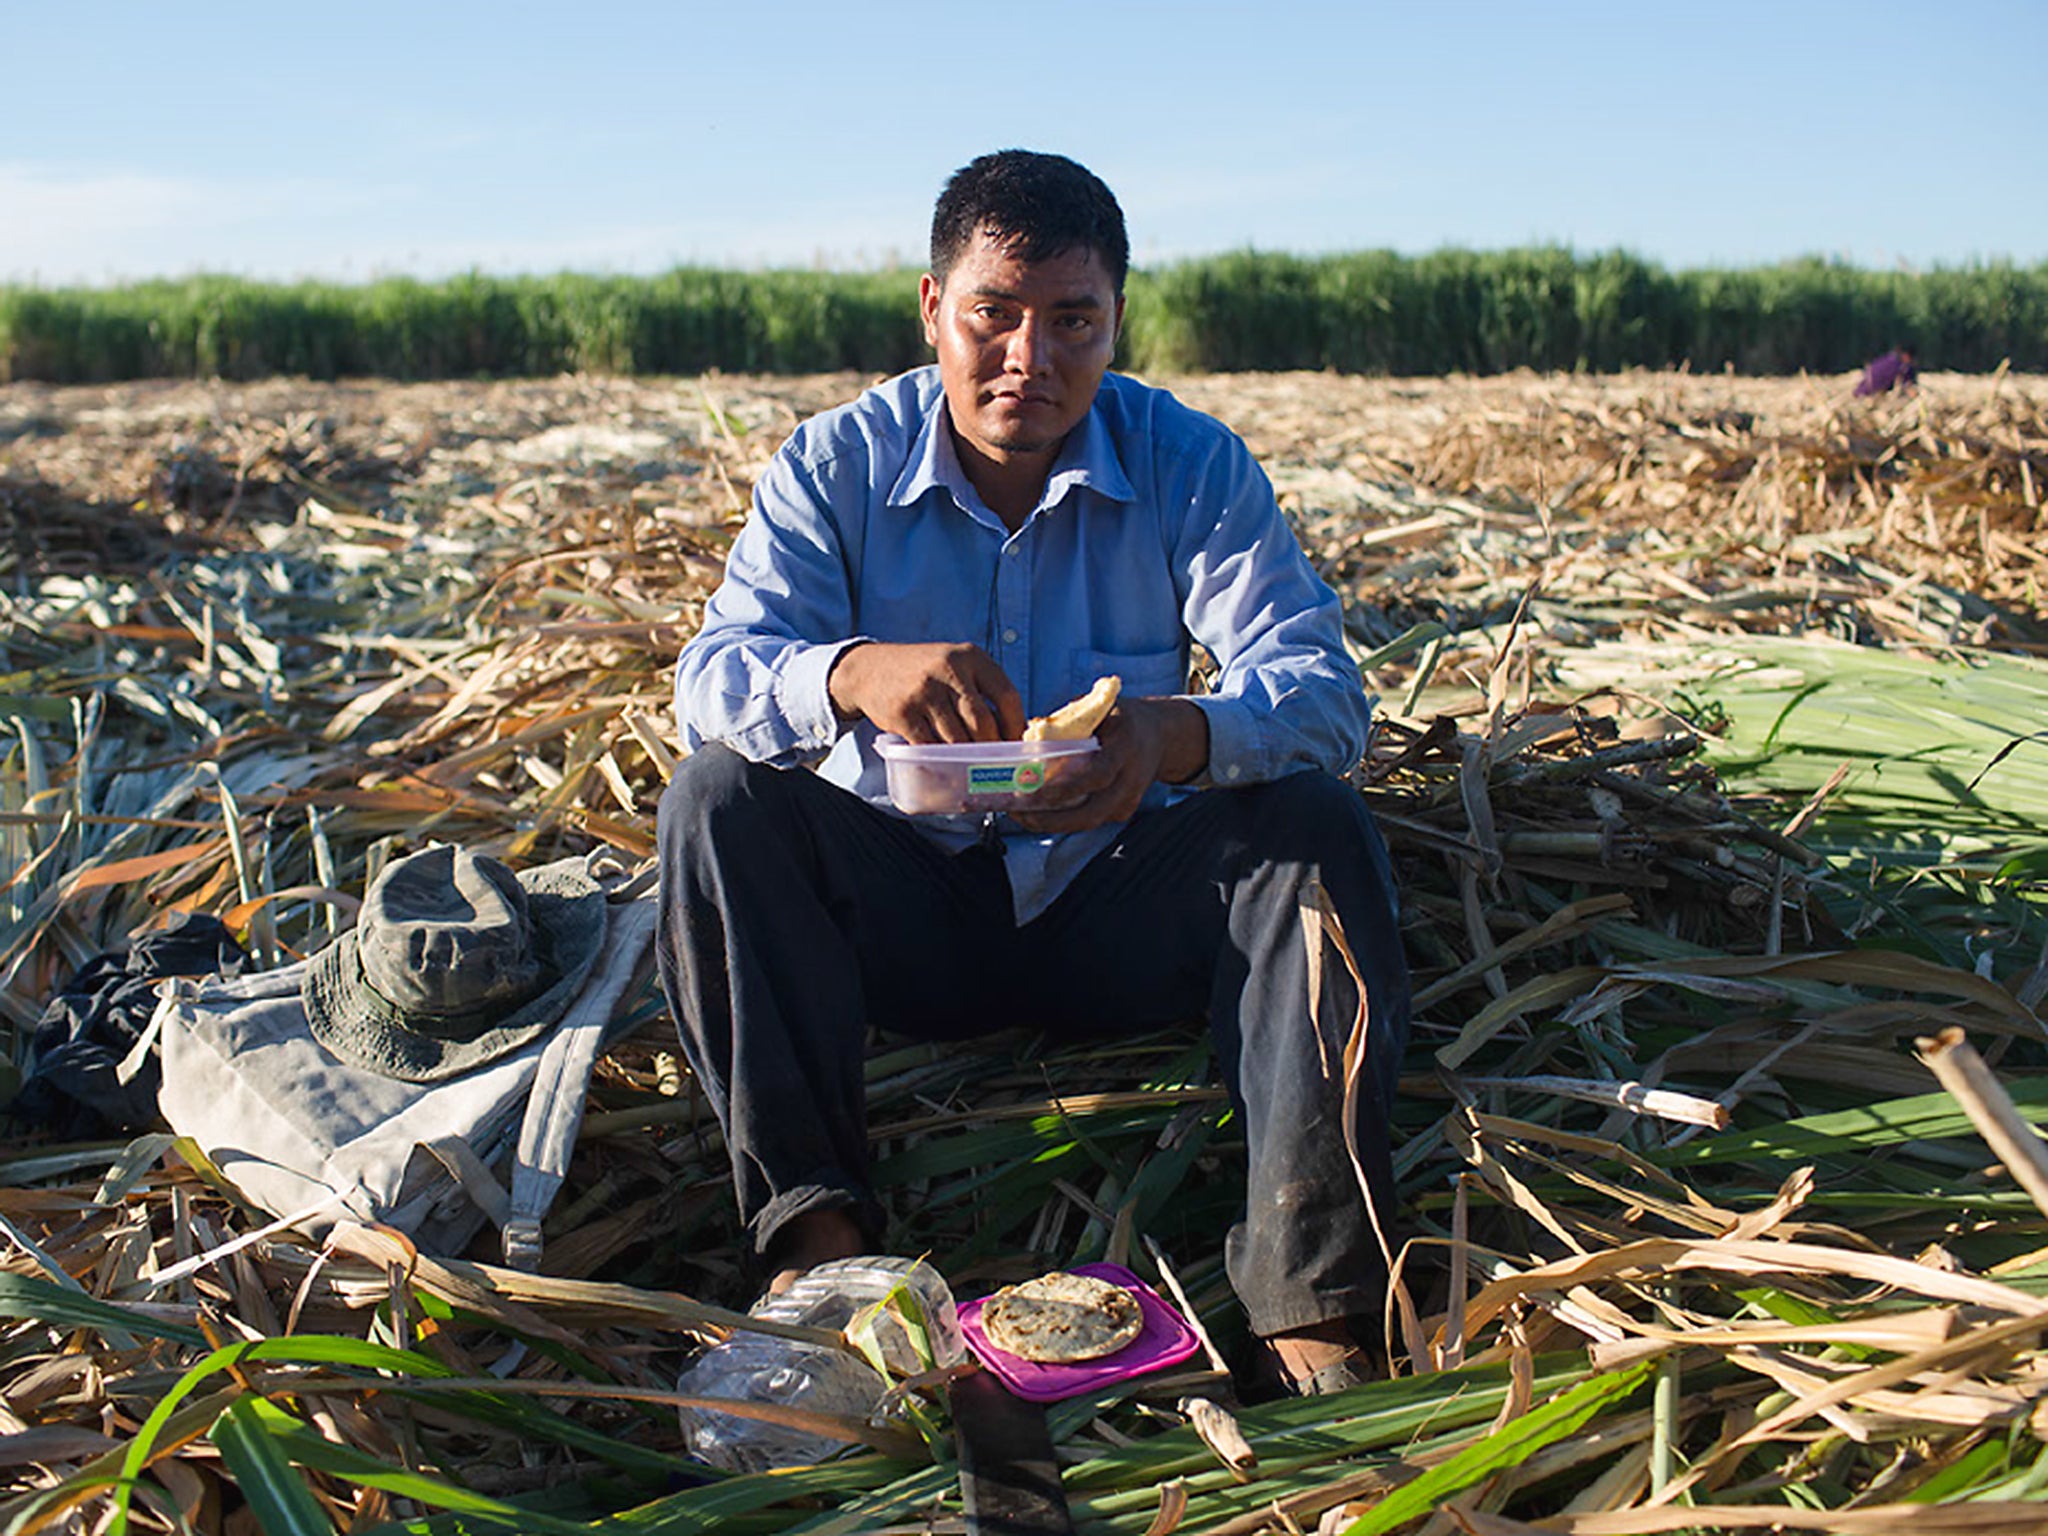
(1144, 674)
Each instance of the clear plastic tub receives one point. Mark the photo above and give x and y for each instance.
(975, 775)
(766, 1368)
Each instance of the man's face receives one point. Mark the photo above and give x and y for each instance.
(1022, 345)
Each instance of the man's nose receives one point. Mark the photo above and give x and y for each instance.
(1030, 350)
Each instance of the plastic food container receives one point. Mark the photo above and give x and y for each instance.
(1165, 1339)
(974, 775)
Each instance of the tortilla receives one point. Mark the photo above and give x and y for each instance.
(1077, 719)
(1061, 1318)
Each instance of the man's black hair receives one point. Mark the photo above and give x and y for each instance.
(1038, 205)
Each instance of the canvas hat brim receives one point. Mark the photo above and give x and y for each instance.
(350, 1018)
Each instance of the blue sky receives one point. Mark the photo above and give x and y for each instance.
(359, 140)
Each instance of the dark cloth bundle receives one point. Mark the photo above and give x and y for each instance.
(73, 1090)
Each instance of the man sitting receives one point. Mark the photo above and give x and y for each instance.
(961, 547)
(1895, 370)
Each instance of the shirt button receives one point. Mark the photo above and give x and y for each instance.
(1233, 771)
(1011, 550)
(1009, 637)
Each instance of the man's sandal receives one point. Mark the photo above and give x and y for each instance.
(1354, 1370)
(1271, 1380)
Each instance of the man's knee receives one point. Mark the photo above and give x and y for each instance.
(713, 769)
(704, 783)
(1316, 819)
(1309, 811)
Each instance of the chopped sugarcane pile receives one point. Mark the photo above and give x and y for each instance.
(1722, 824)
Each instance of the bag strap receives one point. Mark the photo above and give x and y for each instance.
(554, 1111)
(477, 1180)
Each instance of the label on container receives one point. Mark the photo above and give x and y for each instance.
(1005, 778)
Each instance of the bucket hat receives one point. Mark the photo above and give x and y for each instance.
(453, 962)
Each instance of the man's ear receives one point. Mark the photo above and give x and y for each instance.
(1117, 334)
(929, 291)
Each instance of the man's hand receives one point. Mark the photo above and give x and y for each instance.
(1142, 741)
(944, 691)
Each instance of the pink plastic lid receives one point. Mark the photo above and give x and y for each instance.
(1164, 1339)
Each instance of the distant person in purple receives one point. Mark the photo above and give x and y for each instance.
(1895, 370)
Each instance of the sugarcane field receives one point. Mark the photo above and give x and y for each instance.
(1710, 744)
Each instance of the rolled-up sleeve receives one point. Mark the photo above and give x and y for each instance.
(1287, 696)
(755, 677)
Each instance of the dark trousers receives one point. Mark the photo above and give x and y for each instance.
(795, 915)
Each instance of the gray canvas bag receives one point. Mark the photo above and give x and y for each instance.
(394, 1076)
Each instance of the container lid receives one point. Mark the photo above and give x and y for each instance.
(1163, 1339)
(897, 750)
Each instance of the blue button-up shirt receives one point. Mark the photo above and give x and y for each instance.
(1156, 529)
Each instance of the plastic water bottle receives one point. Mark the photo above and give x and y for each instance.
(765, 1368)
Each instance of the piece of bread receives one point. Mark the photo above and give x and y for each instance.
(1077, 719)
(1061, 1318)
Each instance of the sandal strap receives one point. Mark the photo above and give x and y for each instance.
(1338, 1376)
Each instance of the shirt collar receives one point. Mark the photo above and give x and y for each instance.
(1088, 457)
